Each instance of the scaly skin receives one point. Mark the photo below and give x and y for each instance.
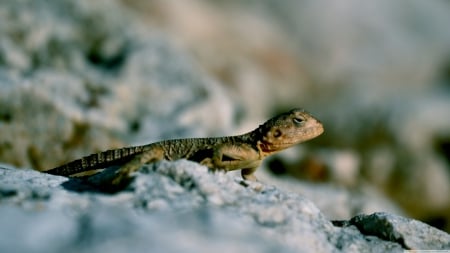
(244, 152)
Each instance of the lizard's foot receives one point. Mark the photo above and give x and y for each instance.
(250, 177)
(208, 162)
(247, 174)
(254, 185)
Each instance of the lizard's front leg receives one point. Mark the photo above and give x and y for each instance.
(234, 157)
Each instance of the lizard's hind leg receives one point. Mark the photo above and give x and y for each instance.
(150, 156)
(121, 176)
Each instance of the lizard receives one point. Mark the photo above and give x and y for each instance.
(244, 152)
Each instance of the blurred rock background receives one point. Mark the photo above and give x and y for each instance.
(77, 77)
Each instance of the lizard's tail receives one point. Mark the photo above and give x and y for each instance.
(97, 161)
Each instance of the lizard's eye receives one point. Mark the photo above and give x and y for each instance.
(298, 121)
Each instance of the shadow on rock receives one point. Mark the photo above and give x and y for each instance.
(100, 182)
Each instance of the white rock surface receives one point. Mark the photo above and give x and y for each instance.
(179, 206)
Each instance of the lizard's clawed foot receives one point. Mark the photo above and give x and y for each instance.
(208, 162)
(257, 186)
(247, 174)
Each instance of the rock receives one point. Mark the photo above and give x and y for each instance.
(402, 230)
(95, 73)
(180, 206)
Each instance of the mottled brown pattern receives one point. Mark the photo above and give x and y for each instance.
(244, 152)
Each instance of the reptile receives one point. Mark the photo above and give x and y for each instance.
(244, 152)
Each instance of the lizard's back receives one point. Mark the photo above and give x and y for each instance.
(194, 149)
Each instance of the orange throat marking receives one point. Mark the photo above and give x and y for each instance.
(269, 148)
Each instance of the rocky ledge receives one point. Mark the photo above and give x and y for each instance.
(181, 207)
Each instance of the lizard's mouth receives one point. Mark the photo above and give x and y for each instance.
(271, 145)
(275, 147)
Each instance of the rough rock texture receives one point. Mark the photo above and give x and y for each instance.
(76, 71)
(402, 230)
(179, 206)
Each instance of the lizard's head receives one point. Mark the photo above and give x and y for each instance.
(288, 129)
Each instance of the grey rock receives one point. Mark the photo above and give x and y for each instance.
(411, 234)
(180, 206)
(73, 71)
